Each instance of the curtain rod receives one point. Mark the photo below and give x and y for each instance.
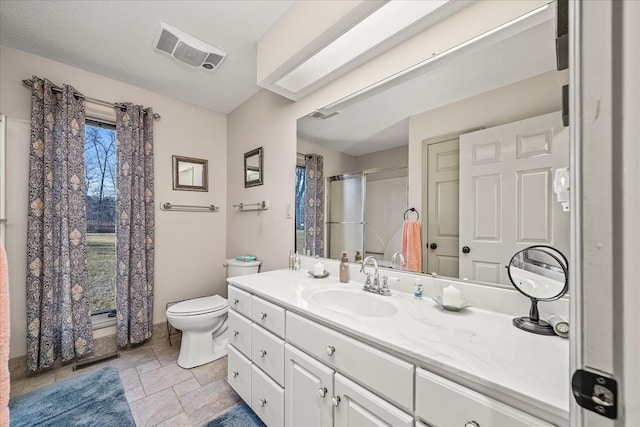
(29, 83)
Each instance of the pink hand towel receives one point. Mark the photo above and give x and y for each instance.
(411, 246)
(4, 339)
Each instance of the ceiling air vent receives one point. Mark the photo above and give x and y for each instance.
(188, 49)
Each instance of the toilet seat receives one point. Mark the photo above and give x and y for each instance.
(197, 306)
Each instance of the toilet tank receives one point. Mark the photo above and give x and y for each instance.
(240, 268)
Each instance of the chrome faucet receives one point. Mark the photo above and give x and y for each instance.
(393, 260)
(368, 286)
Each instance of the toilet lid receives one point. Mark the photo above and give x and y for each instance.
(198, 305)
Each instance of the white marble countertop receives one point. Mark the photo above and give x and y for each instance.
(475, 347)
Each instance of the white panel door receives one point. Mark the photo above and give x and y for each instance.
(506, 194)
(443, 160)
(309, 386)
(358, 407)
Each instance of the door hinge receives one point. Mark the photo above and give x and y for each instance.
(596, 392)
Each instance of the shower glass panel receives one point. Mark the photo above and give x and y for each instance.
(386, 202)
(345, 214)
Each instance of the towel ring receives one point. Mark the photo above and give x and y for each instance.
(411, 210)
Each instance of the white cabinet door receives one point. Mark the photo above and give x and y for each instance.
(357, 407)
(267, 398)
(506, 189)
(309, 386)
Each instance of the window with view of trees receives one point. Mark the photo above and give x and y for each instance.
(100, 175)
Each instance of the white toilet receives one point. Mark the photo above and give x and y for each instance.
(203, 321)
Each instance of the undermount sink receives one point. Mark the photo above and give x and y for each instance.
(351, 301)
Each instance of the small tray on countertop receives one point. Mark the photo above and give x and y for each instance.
(321, 276)
(463, 304)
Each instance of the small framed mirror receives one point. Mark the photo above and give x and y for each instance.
(253, 171)
(540, 273)
(190, 174)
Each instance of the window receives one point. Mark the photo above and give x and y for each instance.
(100, 176)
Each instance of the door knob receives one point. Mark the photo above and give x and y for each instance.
(466, 249)
(335, 401)
(433, 246)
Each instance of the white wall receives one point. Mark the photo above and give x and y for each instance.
(335, 162)
(190, 247)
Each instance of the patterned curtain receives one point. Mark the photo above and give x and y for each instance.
(314, 205)
(58, 312)
(135, 224)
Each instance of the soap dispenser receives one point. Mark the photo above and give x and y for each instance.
(417, 289)
(344, 268)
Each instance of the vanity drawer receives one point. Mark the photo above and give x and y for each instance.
(267, 352)
(381, 372)
(239, 373)
(240, 332)
(267, 398)
(268, 315)
(239, 300)
(440, 402)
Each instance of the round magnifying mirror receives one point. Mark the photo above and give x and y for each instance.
(541, 273)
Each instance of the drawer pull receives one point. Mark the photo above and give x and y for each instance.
(471, 424)
(330, 350)
(235, 332)
(263, 315)
(322, 392)
(235, 374)
(236, 301)
(263, 402)
(335, 401)
(263, 353)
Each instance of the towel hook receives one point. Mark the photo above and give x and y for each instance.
(411, 210)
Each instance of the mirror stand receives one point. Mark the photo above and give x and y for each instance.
(533, 323)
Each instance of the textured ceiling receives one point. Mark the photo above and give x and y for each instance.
(115, 39)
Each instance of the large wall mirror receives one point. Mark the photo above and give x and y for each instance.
(190, 174)
(253, 168)
(447, 111)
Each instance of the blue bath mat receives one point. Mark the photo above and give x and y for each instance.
(93, 399)
(239, 415)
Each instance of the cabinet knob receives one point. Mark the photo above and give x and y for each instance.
(235, 374)
(335, 401)
(263, 353)
(330, 350)
(263, 402)
(263, 316)
(235, 332)
(236, 301)
(471, 424)
(322, 392)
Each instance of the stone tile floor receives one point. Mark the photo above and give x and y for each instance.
(160, 393)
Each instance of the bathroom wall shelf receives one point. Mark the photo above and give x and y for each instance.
(166, 206)
(258, 206)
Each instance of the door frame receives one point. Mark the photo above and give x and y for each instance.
(604, 269)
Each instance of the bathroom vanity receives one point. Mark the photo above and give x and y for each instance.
(316, 352)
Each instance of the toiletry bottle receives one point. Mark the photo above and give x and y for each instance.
(358, 257)
(344, 268)
(291, 260)
(417, 289)
(296, 262)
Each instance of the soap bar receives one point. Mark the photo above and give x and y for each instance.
(451, 296)
(318, 269)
